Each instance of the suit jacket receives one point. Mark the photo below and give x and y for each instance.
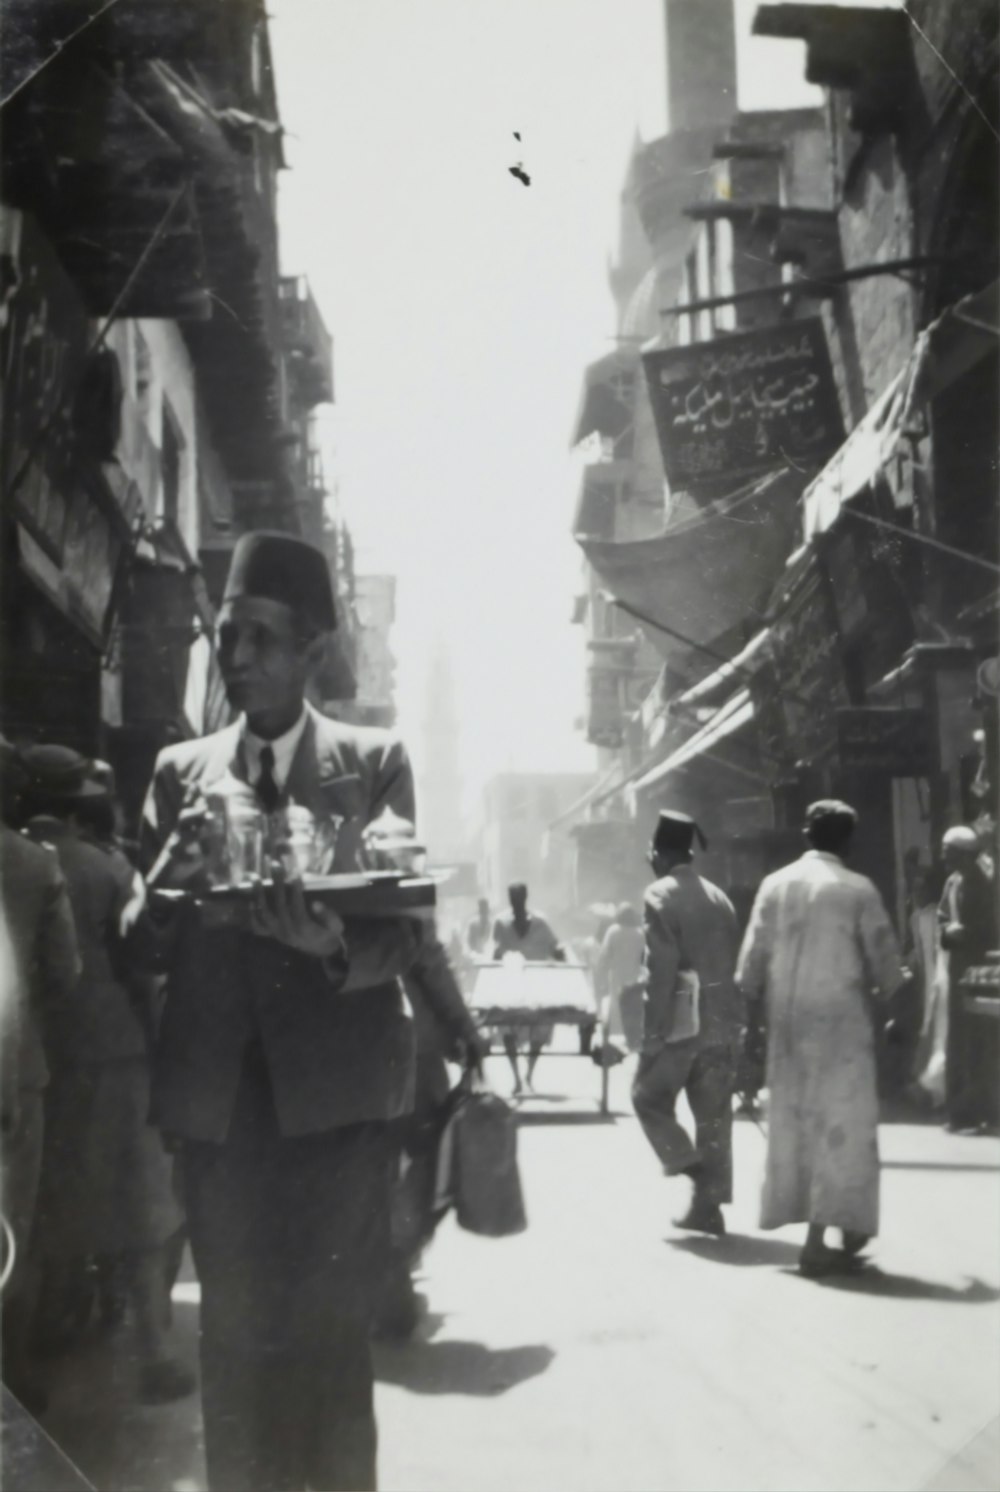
(336, 1055)
(690, 924)
(41, 963)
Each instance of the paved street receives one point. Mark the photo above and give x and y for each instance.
(604, 1350)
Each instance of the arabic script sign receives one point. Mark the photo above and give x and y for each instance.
(744, 404)
(893, 742)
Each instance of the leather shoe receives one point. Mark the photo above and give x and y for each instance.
(703, 1217)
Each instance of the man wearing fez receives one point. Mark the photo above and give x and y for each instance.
(819, 948)
(693, 1023)
(285, 1050)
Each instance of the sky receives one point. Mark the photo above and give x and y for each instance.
(464, 306)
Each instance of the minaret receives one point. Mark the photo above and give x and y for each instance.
(701, 62)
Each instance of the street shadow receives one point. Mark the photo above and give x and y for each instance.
(874, 1281)
(737, 1248)
(459, 1367)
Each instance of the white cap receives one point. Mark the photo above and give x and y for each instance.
(961, 838)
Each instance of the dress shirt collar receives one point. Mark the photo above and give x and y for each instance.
(284, 749)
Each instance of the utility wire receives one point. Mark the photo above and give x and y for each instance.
(57, 51)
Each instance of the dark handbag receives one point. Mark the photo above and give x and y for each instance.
(477, 1170)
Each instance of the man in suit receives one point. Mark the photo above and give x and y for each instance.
(693, 1023)
(285, 1051)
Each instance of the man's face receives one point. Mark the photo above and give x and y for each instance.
(263, 658)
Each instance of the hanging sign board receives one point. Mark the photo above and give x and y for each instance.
(741, 405)
(887, 742)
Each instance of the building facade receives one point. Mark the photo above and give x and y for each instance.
(818, 380)
(159, 373)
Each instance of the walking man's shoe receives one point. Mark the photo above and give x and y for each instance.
(703, 1217)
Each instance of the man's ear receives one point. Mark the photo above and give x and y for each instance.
(314, 650)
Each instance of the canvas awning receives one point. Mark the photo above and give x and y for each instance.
(734, 715)
(705, 575)
(608, 391)
(960, 337)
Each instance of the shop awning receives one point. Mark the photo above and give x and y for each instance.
(735, 671)
(608, 391)
(725, 723)
(705, 575)
(960, 337)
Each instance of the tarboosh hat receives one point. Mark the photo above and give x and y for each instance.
(279, 567)
(676, 831)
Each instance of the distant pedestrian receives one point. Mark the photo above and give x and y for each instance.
(529, 934)
(818, 948)
(479, 931)
(616, 977)
(929, 963)
(967, 917)
(693, 1023)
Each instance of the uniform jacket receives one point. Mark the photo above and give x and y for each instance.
(337, 1055)
(690, 924)
(101, 1023)
(40, 957)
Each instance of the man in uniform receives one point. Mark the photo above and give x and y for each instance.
(694, 1022)
(285, 1050)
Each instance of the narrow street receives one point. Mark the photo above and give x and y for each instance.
(604, 1350)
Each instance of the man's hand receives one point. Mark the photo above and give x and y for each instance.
(181, 863)
(282, 912)
(474, 1050)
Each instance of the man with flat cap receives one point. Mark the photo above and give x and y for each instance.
(819, 948)
(693, 1022)
(285, 1050)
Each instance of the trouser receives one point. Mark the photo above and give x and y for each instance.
(289, 1237)
(707, 1075)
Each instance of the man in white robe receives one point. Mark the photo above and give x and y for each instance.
(820, 948)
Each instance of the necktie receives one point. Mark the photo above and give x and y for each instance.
(267, 788)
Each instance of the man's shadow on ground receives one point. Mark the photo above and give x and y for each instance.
(748, 1249)
(426, 1366)
(459, 1367)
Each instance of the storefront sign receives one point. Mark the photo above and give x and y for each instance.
(891, 742)
(745, 404)
(800, 686)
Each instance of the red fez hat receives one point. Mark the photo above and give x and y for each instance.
(676, 831)
(279, 567)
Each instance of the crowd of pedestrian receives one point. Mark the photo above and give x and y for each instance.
(270, 1085)
(820, 972)
(88, 1189)
(265, 1084)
